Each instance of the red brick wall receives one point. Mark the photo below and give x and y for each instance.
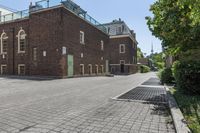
(72, 25)
(13, 59)
(130, 51)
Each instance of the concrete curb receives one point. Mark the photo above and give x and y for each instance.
(177, 116)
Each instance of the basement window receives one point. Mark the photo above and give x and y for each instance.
(3, 69)
(21, 69)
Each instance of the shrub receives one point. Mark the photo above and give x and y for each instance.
(166, 76)
(187, 76)
(144, 69)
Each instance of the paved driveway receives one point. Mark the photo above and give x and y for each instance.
(77, 105)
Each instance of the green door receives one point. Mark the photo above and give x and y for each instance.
(70, 62)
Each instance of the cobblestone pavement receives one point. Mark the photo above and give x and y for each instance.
(78, 105)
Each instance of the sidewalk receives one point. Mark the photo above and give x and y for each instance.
(147, 114)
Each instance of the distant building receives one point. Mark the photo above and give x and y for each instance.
(123, 48)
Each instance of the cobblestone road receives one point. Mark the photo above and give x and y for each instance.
(78, 105)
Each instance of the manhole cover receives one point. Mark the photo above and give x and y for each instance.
(149, 94)
(153, 82)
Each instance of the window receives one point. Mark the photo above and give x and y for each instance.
(3, 69)
(64, 50)
(102, 69)
(122, 48)
(119, 30)
(82, 37)
(82, 69)
(21, 41)
(90, 69)
(97, 69)
(81, 55)
(102, 45)
(44, 53)
(21, 69)
(4, 43)
(122, 61)
(34, 54)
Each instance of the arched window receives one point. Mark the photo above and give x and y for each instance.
(21, 41)
(4, 43)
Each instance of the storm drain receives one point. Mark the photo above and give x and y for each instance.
(148, 94)
(152, 82)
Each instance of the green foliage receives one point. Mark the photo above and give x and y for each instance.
(166, 76)
(190, 107)
(139, 53)
(176, 23)
(144, 69)
(158, 60)
(187, 76)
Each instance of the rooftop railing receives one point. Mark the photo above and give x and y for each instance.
(44, 4)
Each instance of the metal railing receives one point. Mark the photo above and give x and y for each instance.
(14, 16)
(44, 4)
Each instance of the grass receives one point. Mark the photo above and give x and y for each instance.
(190, 107)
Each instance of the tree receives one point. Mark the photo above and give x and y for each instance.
(176, 23)
(139, 53)
(158, 61)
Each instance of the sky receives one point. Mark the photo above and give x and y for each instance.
(133, 12)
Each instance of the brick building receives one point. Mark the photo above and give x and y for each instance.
(123, 48)
(54, 38)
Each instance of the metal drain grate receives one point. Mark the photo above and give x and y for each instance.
(152, 81)
(149, 94)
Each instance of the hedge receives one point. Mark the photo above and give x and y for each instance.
(144, 69)
(187, 76)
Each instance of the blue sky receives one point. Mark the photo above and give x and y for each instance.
(133, 12)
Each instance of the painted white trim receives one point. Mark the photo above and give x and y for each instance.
(2, 68)
(102, 68)
(102, 45)
(123, 36)
(19, 36)
(90, 69)
(1, 47)
(82, 40)
(97, 69)
(120, 50)
(19, 72)
(83, 69)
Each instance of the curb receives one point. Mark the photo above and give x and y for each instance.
(177, 116)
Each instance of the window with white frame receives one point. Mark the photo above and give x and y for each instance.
(82, 37)
(44, 53)
(122, 48)
(21, 69)
(4, 43)
(34, 54)
(3, 69)
(21, 41)
(64, 50)
(102, 69)
(119, 30)
(96, 69)
(102, 45)
(90, 68)
(82, 70)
